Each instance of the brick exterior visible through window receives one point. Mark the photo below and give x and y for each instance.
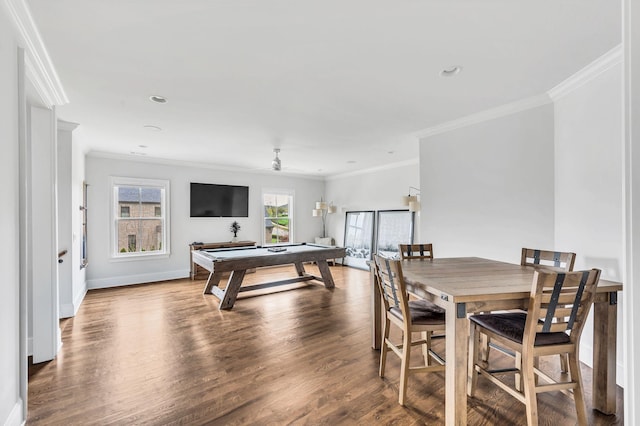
(140, 225)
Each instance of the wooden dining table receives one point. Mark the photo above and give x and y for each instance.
(469, 284)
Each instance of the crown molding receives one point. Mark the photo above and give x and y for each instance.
(68, 126)
(583, 76)
(399, 164)
(588, 73)
(38, 64)
(489, 114)
(193, 164)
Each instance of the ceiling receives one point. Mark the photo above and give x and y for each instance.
(338, 86)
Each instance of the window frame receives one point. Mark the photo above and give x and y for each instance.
(278, 192)
(114, 183)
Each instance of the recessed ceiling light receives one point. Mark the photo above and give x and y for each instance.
(390, 152)
(158, 99)
(351, 162)
(451, 71)
(137, 153)
(152, 128)
(142, 146)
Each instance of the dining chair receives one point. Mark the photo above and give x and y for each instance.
(558, 306)
(410, 316)
(551, 260)
(554, 260)
(416, 251)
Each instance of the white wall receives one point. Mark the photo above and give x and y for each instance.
(487, 188)
(379, 189)
(589, 184)
(10, 401)
(103, 272)
(70, 179)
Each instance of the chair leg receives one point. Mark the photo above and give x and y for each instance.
(384, 348)
(404, 368)
(564, 358)
(578, 396)
(426, 336)
(484, 343)
(564, 363)
(518, 379)
(530, 398)
(475, 344)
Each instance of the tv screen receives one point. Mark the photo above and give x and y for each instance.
(210, 200)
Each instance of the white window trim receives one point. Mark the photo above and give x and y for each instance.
(292, 223)
(116, 256)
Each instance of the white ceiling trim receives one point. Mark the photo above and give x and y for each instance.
(374, 169)
(489, 114)
(39, 85)
(67, 126)
(588, 73)
(193, 164)
(39, 67)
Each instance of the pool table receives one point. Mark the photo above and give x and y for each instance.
(238, 260)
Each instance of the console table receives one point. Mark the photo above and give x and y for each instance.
(220, 245)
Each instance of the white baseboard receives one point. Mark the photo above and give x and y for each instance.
(586, 356)
(136, 279)
(79, 298)
(68, 310)
(15, 416)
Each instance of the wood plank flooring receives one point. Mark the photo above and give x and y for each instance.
(163, 353)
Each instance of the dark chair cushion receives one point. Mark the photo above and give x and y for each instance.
(423, 312)
(511, 326)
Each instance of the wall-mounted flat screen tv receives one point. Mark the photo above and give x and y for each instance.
(211, 200)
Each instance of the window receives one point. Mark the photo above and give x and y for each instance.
(140, 224)
(278, 220)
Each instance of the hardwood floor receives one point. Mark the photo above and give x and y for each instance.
(163, 353)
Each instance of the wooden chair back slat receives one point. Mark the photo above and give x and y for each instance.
(553, 260)
(560, 312)
(416, 251)
(563, 298)
(556, 327)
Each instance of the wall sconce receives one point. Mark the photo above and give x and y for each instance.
(322, 209)
(412, 200)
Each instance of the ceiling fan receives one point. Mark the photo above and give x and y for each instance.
(276, 164)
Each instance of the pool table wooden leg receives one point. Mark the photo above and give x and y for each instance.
(233, 287)
(300, 269)
(327, 278)
(213, 281)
